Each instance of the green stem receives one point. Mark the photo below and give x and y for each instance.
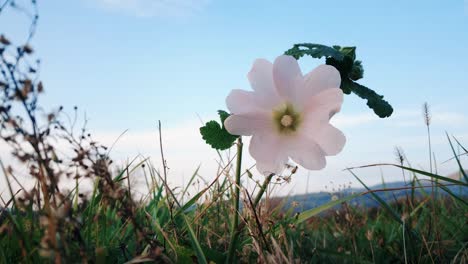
(235, 224)
(263, 189)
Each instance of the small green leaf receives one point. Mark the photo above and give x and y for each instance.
(357, 71)
(223, 115)
(348, 51)
(216, 135)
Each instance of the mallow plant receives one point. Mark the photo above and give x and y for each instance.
(288, 113)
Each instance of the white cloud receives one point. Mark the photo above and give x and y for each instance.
(439, 117)
(153, 8)
(449, 118)
(403, 118)
(184, 149)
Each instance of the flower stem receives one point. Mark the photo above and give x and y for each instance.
(235, 224)
(263, 189)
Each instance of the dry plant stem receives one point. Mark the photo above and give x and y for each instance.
(168, 190)
(404, 242)
(259, 225)
(263, 189)
(235, 223)
(162, 153)
(427, 121)
(44, 170)
(430, 147)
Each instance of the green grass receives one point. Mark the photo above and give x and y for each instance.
(109, 227)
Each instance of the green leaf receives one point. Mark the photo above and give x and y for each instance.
(351, 70)
(374, 101)
(314, 50)
(216, 135)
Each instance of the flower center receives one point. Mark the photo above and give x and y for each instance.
(286, 120)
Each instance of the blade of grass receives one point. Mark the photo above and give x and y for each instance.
(317, 210)
(453, 195)
(420, 205)
(18, 226)
(404, 243)
(198, 195)
(190, 182)
(456, 157)
(3, 256)
(195, 244)
(411, 232)
(120, 176)
(459, 144)
(190, 203)
(379, 200)
(415, 171)
(165, 235)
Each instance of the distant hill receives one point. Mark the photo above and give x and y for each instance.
(312, 200)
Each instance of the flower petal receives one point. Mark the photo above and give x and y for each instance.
(316, 120)
(330, 139)
(319, 110)
(288, 78)
(247, 124)
(269, 151)
(261, 80)
(307, 153)
(329, 100)
(267, 168)
(240, 102)
(321, 78)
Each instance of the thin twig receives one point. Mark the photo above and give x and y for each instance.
(168, 190)
(257, 220)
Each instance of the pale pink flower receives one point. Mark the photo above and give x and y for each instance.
(287, 114)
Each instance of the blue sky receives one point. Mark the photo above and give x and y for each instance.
(129, 63)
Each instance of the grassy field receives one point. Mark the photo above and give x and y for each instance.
(110, 227)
